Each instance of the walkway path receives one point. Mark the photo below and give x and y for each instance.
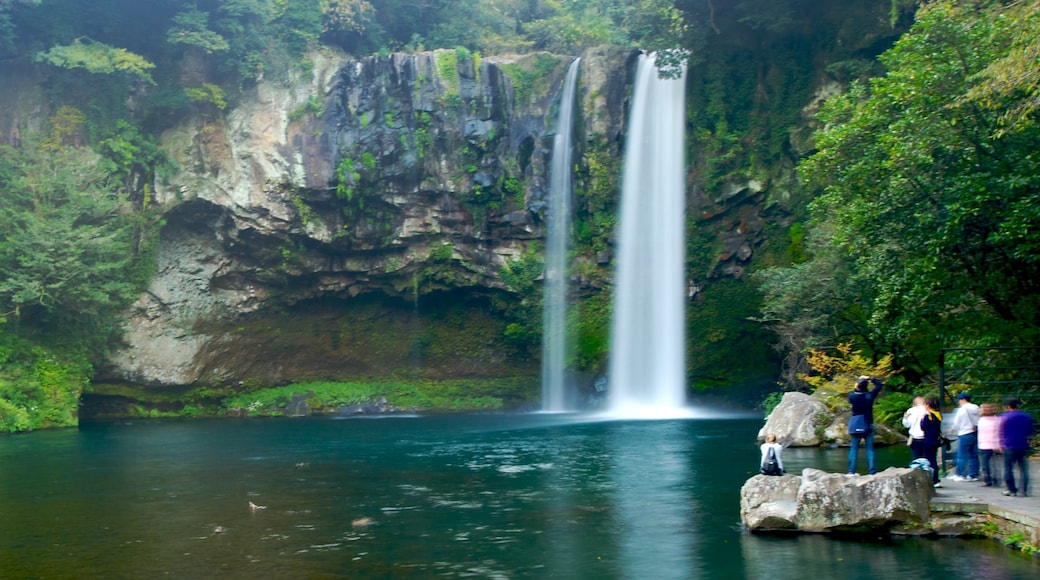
(970, 497)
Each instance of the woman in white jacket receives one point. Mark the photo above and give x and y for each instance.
(777, 449)
(912, 418)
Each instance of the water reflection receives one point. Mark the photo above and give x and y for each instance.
(654, 507)
(486, 496)
(817, 556)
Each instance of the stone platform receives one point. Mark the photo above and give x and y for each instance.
(967, 498)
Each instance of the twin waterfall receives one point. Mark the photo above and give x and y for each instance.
(556, 396)
(647, 342)
(647, 377)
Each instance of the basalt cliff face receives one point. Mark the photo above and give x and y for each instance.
(384, 217)
(356, 224)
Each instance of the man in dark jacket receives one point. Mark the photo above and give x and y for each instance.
(1015, 429)
(861, 423)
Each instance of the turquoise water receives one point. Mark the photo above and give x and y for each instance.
(486, 496)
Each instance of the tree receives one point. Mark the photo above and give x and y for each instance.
(67, 255)
(1011, 83)
(815, 304)
(928, 198)
(191, 28)
(98, 58)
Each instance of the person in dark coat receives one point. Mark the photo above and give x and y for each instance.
(861, 423)
(1016, 427)
(928, 446)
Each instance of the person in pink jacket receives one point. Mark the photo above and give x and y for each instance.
(989, 441)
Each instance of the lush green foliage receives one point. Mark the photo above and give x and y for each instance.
(929, 177)
(424, 395)
(69, 246)
(38, 388)
(525, 316)
(724, 345)
(834, 374)
(76, 251)
(98, 58)
(106, 54)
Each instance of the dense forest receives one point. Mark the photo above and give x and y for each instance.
(913, 225)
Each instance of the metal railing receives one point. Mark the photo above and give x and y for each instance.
(991, 374)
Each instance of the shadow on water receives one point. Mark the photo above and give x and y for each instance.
(494, 495)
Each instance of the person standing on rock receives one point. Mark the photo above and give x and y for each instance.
(861, 423)
(1016, 427)
(966, 424)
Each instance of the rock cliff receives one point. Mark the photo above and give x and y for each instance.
(374, 190)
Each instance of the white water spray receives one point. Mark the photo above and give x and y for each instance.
(555, 343)
(647, 362)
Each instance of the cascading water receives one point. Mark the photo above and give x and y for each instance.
(554, 315)
(647, 363)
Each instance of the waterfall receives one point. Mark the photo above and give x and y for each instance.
(555, 341)
(647, 363)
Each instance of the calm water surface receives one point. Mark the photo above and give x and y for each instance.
(487, 496)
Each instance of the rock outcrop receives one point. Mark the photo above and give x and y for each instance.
(838, 432)
(831, 502)
(797, 421)
(398, 176)
(770, 503)
(801, 420)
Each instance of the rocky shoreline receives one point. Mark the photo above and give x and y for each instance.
(894, 502)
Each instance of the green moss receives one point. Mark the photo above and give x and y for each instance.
(39, 387)
(347, 178)
(592, 320)
(423, 138)
(796, 252)
(514, 189)
(447, 63)
(524, 312)
(725, 345)
(302, 209)
(530, 75)
(312, 107)
(441, 253)
(368, 161)
(421, 394)
(596, 188)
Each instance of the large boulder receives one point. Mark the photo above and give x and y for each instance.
(838, 432)
(835, 502)
(770, 503)
(797, 421)
(819, 501)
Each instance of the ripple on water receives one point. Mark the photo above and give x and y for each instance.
(392, 509)
(326, 547)
(454, 503)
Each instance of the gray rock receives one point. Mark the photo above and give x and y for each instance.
(838, 432)
(832, 502)
(949, 525)
(261, 211)
(795, 421)
(769, 502)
